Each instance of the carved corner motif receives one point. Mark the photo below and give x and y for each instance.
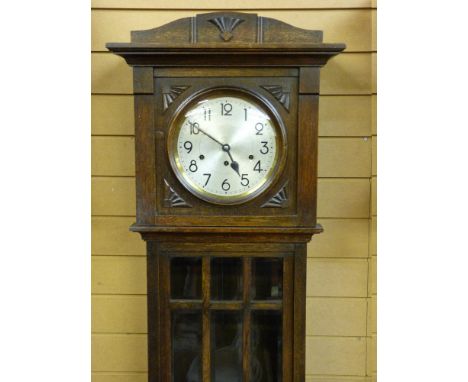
(279, 200)
(282, 96)
(226, 25)
(172, 198)
(170, 95)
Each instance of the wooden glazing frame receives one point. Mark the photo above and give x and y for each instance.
(159, 342)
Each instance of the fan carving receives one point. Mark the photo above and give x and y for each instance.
(279, 200)
(226, 25)
(172, 198)
(172, 94)
(282, 96)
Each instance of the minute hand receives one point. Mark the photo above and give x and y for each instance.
(210, 136)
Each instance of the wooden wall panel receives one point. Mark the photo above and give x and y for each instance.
(344, 157)
(229, 4)
(374, 155)
(113, 196)
(119, 314)
(119, 377)
(373, 237)
(343, 198)
(374, 115)
(341, 238)
(321, 378)
(113, 156)
(336, 355)
(119, 352)
(118, 275)
(111, 236)
(345, 116)
(105, 69)
(336, 316)
(374, 72)
(350, 26)
(374, 30)
(371, 367)
(374, 196)
(373, 275)
(337, 277)
(348, 73)
(112, 115)
(372, 315)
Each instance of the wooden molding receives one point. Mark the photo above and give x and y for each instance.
(279, 200)
(281, 96)
(172, 198)
(226, 25)
(170, 95)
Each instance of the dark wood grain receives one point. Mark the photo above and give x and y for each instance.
(165, 357)
(206, 317)
(152, 276)
(288, 318)
(247, 319)
(307, 168)
(300, 268)
(145, 157)
(277, 65)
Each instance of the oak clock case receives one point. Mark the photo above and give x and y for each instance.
(184, 201)
(226, 136)
(226, 146)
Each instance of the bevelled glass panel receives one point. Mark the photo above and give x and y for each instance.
(186, 278)
(186, 346)
(226, 346)
(226, 278)
(266, 347)
(267, 278)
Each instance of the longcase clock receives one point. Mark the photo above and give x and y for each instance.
(226, 112)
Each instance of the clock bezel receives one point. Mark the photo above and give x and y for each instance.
(281, 145)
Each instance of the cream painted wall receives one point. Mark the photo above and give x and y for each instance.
(341, 283)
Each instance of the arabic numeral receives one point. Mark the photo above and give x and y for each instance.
(264, 150)
(226, 108)
(193, 166)
(258, 167)
(208, 176)
(245, 180)
(188, 146)
(207, 114)
(194, 128)
(259, 127)
(225, 185)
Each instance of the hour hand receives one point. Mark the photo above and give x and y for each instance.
(235, 167)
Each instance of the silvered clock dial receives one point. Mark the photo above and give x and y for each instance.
(226, 147)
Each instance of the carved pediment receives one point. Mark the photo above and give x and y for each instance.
(233, 27)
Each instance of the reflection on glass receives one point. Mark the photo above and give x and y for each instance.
(226, 278)
(186, 346)
(266, 345)
(267, 278)
(226, 346)
(186, 278)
